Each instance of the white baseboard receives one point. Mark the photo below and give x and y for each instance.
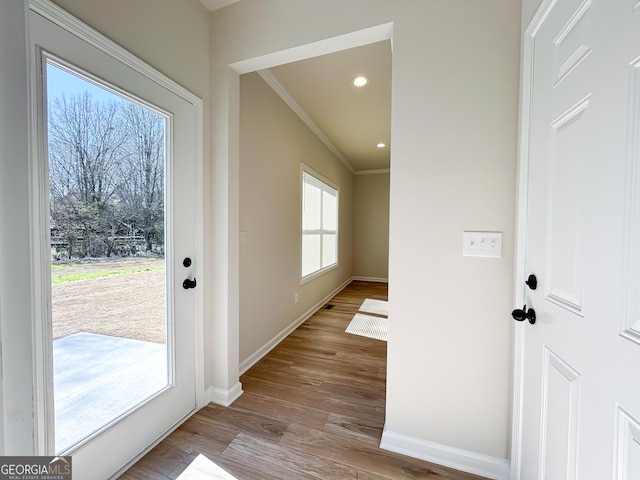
(271, 344)
(224, 397)
(463, 460)
(371, 279)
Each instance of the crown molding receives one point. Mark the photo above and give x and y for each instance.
(282, 92)
(372, 172)
(212, 5)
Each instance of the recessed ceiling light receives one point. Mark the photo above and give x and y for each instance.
(381, 145)
(360, 81)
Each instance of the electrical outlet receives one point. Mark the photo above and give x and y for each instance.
(482, 244)
(243, 238)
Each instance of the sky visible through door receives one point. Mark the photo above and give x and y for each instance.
(107, 228)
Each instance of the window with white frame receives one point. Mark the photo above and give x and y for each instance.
(319, 224)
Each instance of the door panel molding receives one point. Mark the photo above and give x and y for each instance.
(579, 53)
(631, 306)
(627, 445)
(560, 380)
(564, 268)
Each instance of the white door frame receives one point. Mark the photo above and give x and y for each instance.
(526, 89)
(41, 344)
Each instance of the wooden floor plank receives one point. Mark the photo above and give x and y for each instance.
(313, 408)
(165, 457)
(282, 409)
(140, 472)
(237, 420)
(252, 450)
(366, 457)
(362, 475)
(367, 430)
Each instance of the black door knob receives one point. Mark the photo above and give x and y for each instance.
(524, 314)
(187, 284)
(532, 281)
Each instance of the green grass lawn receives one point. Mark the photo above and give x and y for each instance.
(75, 277)
(76, 272)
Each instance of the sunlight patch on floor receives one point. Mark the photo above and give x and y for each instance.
(371, 320)
(379, 307)
(204, 469)
(368, 326)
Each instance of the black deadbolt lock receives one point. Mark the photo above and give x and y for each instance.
(186, 262)
(532, 281)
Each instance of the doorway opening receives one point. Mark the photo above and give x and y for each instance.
(269, 155)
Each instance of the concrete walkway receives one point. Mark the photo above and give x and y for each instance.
(97, 378)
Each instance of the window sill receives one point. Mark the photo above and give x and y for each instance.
(317, 274)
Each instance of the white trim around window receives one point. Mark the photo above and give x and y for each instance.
(318, 224)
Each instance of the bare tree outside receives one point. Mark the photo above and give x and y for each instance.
(142, 193)
(106, 169)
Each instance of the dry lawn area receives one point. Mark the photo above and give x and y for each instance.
(129, 305)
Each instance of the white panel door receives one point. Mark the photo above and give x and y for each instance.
(113, 440)
(580, 391)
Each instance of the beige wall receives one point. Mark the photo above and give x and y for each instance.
(371, 226)
(453, 159)
(273, 143)
(170, 36)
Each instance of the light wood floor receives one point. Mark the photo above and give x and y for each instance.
(313, 408)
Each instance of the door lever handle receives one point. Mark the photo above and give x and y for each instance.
(187, 284)
(524, 314)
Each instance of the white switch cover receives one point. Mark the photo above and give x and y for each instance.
(243, 238)
(482, 244)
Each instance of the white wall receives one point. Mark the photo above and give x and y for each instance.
(273, 143)
(371, 226)
(172, 37)
(453, 158)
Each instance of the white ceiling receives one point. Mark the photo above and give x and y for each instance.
(350, 121)
(354, 120)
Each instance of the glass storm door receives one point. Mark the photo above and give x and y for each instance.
(116, 171)
(106, 162)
